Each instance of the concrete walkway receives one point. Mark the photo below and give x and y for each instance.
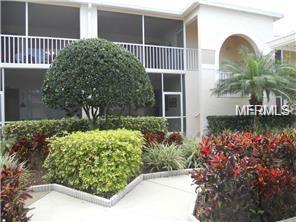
(155, 200)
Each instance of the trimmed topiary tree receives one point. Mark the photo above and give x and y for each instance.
(95, 74)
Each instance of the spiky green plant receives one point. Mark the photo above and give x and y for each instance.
(190, 150)
(9, 161)
(5, 145)
(258, 75)
(163, 157)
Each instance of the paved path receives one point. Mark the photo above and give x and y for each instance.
(155, 200)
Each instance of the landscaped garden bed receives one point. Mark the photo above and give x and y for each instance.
(102, 153)
(104, 163)
(28, 140)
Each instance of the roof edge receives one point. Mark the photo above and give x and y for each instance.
(182, 13)
(282, 40)
(276, 16)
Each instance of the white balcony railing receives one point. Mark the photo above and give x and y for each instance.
(30, 50)
(157, 57)
(224, 75)
(192, 59)
(15, 49)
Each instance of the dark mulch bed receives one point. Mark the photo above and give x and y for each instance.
(36, 170)
(36, 176)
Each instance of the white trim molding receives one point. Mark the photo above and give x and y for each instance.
(286, 42)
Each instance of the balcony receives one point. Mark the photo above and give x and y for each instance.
(157, 57)
(31, 50)
(39, 52)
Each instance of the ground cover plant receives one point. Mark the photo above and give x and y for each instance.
(247, 177)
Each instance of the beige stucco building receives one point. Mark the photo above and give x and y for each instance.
(181, 49)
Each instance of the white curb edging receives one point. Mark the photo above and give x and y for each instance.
(104, 201)
(293, 219)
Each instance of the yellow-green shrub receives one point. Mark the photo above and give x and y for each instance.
(99, 162)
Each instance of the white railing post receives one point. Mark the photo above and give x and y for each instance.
(181, 104)
(143, 41)
(184, 48)
(17, 49)
(43, 50)
(2, 100)
(1, 49)
(27, 33)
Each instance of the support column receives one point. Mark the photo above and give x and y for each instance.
(2, 98)
(27, 30)
(88, 21)
(192, 84)
(143, 40)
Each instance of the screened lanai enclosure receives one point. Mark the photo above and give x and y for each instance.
(23, 95)
(33, 34)
(169, 92)
(48, 29)
(157, 42)
(27, 49)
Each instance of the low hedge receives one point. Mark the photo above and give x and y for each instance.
(99, 162)
(31, 136)
(143, 124)
(217, 124)
(29, 128)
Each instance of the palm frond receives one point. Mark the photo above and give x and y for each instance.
(257, 75)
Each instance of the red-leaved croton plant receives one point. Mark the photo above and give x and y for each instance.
(247, 177)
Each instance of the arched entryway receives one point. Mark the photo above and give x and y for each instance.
(230, 50)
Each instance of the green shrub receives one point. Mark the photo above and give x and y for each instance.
(99, 162)
(29, 128)
(217, 124)
(190, 149)
(143, 124)
(163, 157)
(31, 135)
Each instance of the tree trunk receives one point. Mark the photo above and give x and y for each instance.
(254, 101)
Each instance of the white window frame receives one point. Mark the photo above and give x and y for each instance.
(177, 93)
(2, 99)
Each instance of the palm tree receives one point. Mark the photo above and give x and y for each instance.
(258, 75)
